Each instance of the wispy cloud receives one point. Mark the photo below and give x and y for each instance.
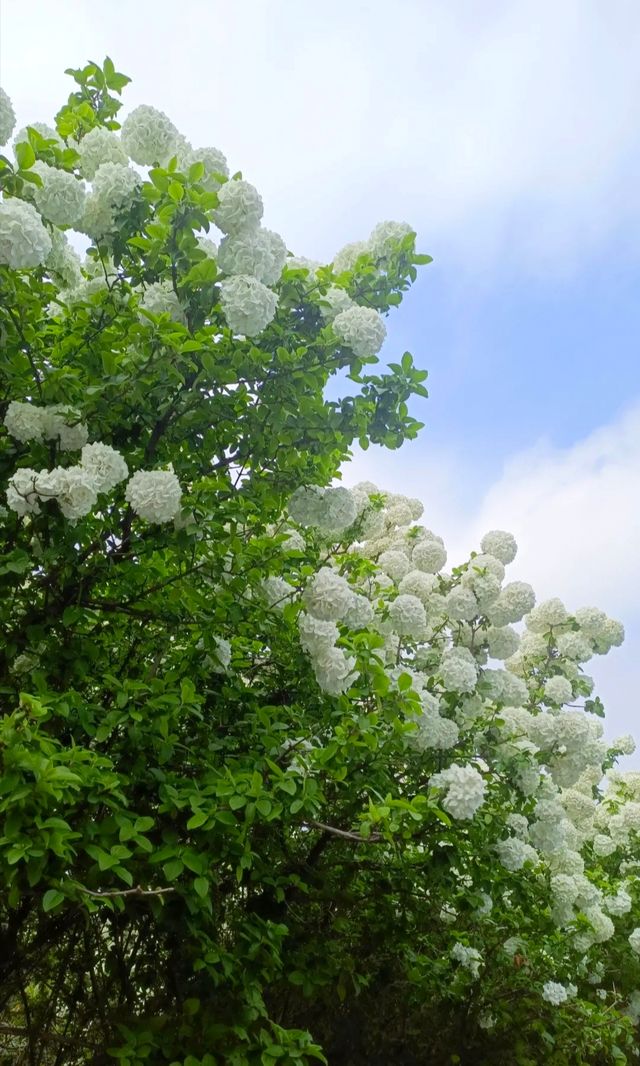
(501, 130)
(575, 513)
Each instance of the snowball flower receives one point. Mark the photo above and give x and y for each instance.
(316, 634)
(72, 488)
(338, 510)
(574, 646)
(395, 564)
(555, 993)
(435, 732)
(113, 190)
(149, 137)
(467, 957)
(385, 236)
(276, 591)
(213, 160)
(429, 555)
(259, 253)
(465, 790)
(408, 616)
(239, 207)
(333, 302)
(500, 544)
(346, 258)
(558, 690)
(334, 671)
(418, 583)
(502, 642)
(154, 494)
(545, 615)
(61, 197)
(458, 670)
(512, 604)
(160, 299)
(105, 466)
(248, 305)
(64, 261)
(7, 117)
(24, 241)
(22, 495)
(62, 424)
(634, 940)
(361, 329)
(99, 146)
(24, 421)
(328, 596)
(305, 505)
(513, 853)
(461, 604)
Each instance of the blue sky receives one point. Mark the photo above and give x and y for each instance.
(508, 134)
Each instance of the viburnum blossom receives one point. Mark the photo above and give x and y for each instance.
(7, 117)
(105, 466)
(22, 495)
(213, 160)
(113, 190)
(160, 299)
(346, 258)
(99, 146)
(149, 137)
(333, 302)
(61, 197)
(239, 207)
(259, 253)
(385, 236)
(248, 305)
(24, 241)
(465, 789)
(72, 488)
(277, 693)
(154, 495)
(361, 329)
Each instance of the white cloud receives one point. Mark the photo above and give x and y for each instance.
(575, 513)
(500, 130)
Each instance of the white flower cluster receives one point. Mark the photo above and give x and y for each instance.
(24, 241)
(57, 422)
(75, 488)
(7, 117)
(61, 197)
(99, 146)
(212, 159)
(469, 958)
(556, 993)
(113, 190)
(333, 302)
(159, 298)
(361, 329)
(63, 261)
(149, 137)
(239, 207)
(465, 788)
(154, 495)
(380, 245)
(331, 510)
(248, 305)
(259, 253)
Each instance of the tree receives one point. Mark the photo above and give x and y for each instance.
(262, 798)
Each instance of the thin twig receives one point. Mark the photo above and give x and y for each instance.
(346, 834)
(137, 890)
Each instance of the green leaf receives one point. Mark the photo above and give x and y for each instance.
(201, 886)
(51, 899)
(25, 155)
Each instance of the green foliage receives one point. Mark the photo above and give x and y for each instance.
(198, 865)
